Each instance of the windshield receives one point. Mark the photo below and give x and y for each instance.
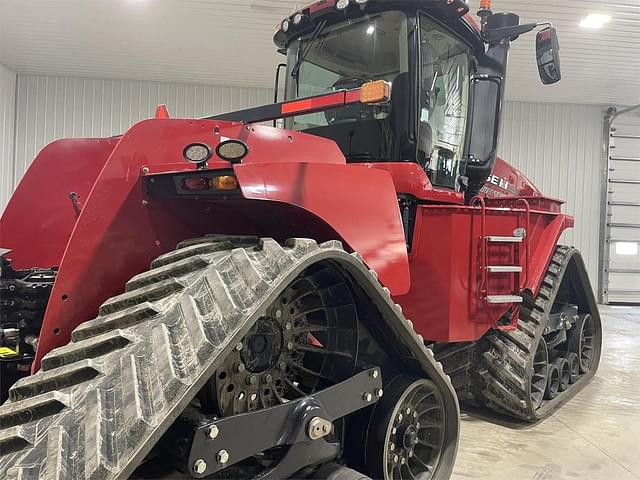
(345, 56)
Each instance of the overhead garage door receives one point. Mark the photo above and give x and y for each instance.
(622, 250)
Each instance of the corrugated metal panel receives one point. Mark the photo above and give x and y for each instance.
(558, 148)
(51, 107)
(229, 42)
(7, 124)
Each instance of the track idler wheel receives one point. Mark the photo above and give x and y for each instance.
(581, 341)
(564, 372)
(406, 433)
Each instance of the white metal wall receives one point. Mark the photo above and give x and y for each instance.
(558, 146)
(50, 107)
(7, 124)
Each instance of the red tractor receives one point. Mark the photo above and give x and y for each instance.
(274, 340)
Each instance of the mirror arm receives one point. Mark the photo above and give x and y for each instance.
(497, 34)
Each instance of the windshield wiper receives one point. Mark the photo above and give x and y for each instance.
(303, 55)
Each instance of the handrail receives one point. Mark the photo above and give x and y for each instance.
(527, 226)
(484, 259)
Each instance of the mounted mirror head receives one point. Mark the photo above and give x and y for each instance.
(548, 55)
(486, 104)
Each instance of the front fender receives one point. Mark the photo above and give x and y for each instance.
(356, 201)
(120, 229)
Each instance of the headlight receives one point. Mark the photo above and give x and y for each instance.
(342, 4)
(197, 152)
(285, 26)
(297, 18)
(232, 150)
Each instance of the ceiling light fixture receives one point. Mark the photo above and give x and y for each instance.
(594, 20)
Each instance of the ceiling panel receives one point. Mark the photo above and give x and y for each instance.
(229, 42)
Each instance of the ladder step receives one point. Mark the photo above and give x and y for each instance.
(504, 299)
(504, 268)
(505, 239)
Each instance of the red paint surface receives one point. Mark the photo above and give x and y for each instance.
(38, 220)
(445, 301)
(293, 184)
(411, 178)
(357, 201)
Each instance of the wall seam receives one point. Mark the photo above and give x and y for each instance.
(14, 143)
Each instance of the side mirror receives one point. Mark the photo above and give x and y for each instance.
(486, 103)
(548, 55)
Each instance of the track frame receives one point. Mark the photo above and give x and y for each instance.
(290, 423)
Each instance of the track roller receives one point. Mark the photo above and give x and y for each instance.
(562, 364)
(574, 367)
(539, 376)
(553, 382)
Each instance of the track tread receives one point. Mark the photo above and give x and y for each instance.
(107, 396)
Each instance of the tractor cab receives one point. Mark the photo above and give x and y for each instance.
(437, 62)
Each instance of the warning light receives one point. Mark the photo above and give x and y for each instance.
(224, 182)
(220, 182)
(485, 4)
(375, 92)
(195, 183)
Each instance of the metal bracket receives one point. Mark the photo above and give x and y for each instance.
(562, 320)
(304, 424)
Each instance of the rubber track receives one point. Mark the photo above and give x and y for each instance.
(100, 403)
(493, 371)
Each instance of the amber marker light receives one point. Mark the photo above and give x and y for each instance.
(375, 92)
(224, 182)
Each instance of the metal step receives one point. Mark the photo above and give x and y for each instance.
(504, 299)
(505, 239)
(504, 268)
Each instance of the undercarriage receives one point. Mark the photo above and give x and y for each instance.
(530, 372)
(237, 357)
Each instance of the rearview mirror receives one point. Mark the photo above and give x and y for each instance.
(486, 102)
(548, 55)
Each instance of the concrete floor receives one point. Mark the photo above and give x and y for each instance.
(596, 435)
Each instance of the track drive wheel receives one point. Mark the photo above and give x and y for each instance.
(307, 340)
(407, 430)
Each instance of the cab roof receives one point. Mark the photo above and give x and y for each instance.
(453, 13)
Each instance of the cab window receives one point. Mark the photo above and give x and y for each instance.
(444, 101)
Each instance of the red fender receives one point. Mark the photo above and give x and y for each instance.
(39, 218)
(120, 229)
(359, 202)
